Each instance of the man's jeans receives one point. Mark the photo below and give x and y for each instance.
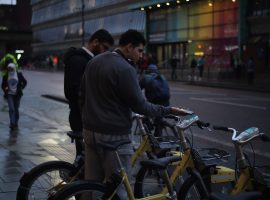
(13, 104)
(101, 163)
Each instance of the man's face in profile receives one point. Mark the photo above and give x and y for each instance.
(137, 53)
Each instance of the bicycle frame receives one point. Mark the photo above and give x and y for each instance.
(145, 144)
(222, 173)
(244, 179)
(243, 182)
(125, 181)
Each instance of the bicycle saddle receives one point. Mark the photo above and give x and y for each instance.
(160, 163)
(75, 135)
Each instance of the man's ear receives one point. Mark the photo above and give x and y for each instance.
(130, 47)
(95, 42)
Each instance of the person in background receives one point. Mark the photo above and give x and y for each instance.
(173, 63)
(75, 60)
(250, 70)
(142, 64)
(157, 91)
(110, 91)
(5, 61)
(155, 85)
(13, 83)
(193, 65)
(201, 67)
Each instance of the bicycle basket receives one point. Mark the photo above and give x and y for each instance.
(168, 142)
(210, 156)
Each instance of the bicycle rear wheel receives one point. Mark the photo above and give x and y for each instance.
(191, 190)
(44, 179)
(147, 183)
(82, 190)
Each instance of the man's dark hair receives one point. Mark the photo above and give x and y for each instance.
(103, 36)
(131, 36)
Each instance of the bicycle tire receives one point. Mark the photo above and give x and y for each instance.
(191, 190)
(77, 188)
(38, 179)
(145, 185)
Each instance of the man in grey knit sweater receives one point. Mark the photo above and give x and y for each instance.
(110, 92)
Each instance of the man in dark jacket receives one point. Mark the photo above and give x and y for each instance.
(75, 60)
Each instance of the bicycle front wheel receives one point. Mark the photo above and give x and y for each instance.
(148, 182)
(44, 179)
(82, 190)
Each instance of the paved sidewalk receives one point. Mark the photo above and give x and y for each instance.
(37, 140)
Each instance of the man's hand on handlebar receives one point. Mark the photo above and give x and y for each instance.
(181, 111)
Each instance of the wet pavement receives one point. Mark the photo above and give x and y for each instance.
(41, 137)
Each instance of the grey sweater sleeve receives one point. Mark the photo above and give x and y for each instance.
(131, 94)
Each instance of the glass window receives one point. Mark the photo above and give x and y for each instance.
(229, 30)
(157, 26)
(177, 19)
(50, 35)
(200, 7)
(225, 17)
(176, 36)
(200, 33)
(62, 8)
(200, 20)
(114, 24)
(222, 5)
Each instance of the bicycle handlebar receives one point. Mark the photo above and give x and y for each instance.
(221, 128)
(245, 136)
(202, 124)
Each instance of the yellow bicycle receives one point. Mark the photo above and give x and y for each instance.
(79, 189)
(203, 160)
(45, 179)
(248, 177)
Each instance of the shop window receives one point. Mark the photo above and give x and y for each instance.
(225, 17)
(177, 20)
(200, 20)
(222, 5)
(200, 7)
(176, 36)
(200, 33)
(228, 30)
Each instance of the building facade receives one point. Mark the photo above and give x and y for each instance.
(59, 24)
(218, 29)
(193, 28)
(15, 29)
